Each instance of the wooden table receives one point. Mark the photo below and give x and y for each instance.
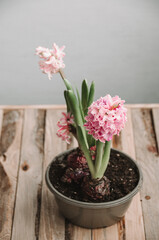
(28, 143)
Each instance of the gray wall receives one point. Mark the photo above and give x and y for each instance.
(113, 42)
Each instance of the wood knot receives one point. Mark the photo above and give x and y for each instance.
(4, 157)
(25, 166)
(151, 149)
(147, 197)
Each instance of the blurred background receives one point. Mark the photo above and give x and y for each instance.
(114, 43)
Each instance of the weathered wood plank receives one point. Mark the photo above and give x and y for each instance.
(9, 161)
(52, 224)
(106, 233)
(44, 107)
(148, 158)
(155, 113)
(149, 106)
(72, 231)
(76, 233)
(134, 227)
(143, 105)
(26, 217)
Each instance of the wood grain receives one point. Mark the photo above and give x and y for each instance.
(74, 232)
(146, 154)
(52, 224)
(106, 233)
(9, 162)
(26, 218)
(134, 227)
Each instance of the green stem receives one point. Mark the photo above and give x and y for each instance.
(98, 161)
(106, 157)
(66, 82)
(105, 160)
(62, 74)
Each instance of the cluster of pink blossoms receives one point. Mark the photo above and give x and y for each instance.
(52, 59)
(106, 117)
(64, 127)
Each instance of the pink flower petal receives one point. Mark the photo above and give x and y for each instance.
(64, 127)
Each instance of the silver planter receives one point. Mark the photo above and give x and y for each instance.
(93, 215)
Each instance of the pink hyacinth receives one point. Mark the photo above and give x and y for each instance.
(106, 117)
(52, 59)
(64, 127)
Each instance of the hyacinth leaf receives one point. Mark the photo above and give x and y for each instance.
(67, 104)
(80, 104)
(90, 139)
(91, 94)
(84, 96)
(72, 100)
(85, 150)
(67, 84)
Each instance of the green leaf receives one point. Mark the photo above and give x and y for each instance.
(91, 94)
(73, 103)
(67, 104)
(85, 150)
(80, 105)
(67, 84)
(72, 100)
(84, 96)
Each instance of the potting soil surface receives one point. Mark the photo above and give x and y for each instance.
(121, 172)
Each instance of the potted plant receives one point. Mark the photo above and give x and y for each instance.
(93, 184)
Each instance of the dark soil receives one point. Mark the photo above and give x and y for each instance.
(121, 172)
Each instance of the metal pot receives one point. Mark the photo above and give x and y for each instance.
(93, 215)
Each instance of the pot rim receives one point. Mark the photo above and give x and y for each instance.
(95, 205)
